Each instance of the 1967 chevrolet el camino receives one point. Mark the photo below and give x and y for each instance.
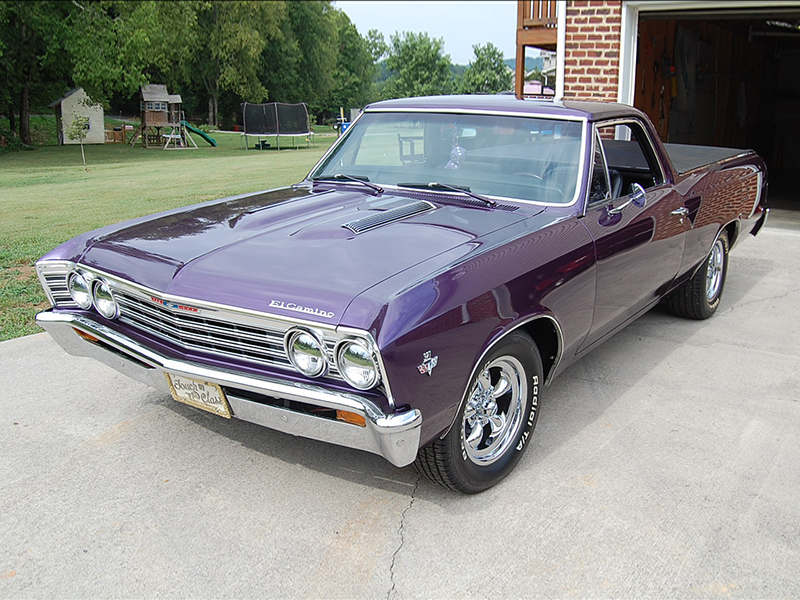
(412, 297)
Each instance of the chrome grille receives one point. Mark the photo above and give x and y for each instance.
(219, 337)
(53, 277)
(218, 331)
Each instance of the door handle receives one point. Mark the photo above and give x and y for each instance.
(680, 212)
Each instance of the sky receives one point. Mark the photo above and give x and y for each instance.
(461, 24)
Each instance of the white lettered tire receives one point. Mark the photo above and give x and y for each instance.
(494, 423)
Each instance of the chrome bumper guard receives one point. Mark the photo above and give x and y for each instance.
(395, 436)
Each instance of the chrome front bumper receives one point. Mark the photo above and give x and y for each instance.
(394, 436)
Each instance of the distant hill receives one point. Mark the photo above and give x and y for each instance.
(531, 63)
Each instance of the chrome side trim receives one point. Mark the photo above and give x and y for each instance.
(393, 436)
(760, 190)
(720, 162)
(548, 377)
(474, 111)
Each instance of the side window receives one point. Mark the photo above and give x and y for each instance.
(629, 157)
(599, 187)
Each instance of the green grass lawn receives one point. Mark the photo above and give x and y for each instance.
(47, 197)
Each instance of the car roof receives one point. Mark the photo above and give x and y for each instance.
(506, 103)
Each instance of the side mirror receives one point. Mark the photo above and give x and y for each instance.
(637, 197)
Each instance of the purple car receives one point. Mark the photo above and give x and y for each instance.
(412, 297)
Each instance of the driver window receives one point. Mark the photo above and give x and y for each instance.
(599, 188)
(629, 158)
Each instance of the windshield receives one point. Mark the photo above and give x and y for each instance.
(527, 158)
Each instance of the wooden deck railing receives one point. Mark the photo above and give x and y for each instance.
(537, 13)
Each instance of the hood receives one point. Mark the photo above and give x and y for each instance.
(291, 251)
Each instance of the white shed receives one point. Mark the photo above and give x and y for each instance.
(76, 104)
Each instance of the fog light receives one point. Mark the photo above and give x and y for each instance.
(79, 290)
(104, 300)
(306, 353)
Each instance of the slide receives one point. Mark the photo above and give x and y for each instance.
(201, 133)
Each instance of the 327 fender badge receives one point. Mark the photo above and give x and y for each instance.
(428, 363)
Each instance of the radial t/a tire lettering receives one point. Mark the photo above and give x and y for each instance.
(495, 422)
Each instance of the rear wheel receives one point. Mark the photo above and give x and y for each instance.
(699, 297)
(494, 424)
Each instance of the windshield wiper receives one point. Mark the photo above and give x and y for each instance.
(462, 189)
(362, 179)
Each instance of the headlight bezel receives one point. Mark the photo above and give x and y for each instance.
(104, 287)
(77, 276)
(368, 352)
(293, 336)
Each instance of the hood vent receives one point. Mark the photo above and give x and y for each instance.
(388, 216)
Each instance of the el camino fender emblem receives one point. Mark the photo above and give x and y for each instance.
(428, 363)
(301, 309)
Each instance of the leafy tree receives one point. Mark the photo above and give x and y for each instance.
(77, 131)
(31, 41)
(117, 46)
(486, 74)
(353, 82)
(376, 44)
(418, 66)
(234, 36)
(301, 66)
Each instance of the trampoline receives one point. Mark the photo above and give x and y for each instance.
(275, 119)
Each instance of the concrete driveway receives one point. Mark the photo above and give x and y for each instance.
(666, 464)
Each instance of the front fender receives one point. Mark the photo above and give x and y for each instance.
(453, 318)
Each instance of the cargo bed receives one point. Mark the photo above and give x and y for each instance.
(687, 158)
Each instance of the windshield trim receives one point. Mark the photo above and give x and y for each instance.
(466, 111)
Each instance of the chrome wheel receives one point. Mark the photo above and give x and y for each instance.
(716, 264)
(494, 411)
(699, 297)
(494, 423)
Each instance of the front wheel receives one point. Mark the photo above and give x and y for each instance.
(699, 297)
(494, 423)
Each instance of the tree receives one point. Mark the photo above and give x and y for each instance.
(353, 81)
(488, 73)
(234, 36)
(301, 66)
(31, 41)
(116, 46)
(77, 131)
(417, 66)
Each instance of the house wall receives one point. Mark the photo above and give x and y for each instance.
(592, 50)
(74, 105)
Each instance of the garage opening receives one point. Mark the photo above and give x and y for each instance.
(726, 78)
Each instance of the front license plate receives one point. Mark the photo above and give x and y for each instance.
(200, 394)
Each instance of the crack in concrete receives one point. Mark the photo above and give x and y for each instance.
(758, 300)
(392, 590)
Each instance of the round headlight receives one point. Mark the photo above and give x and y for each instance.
(79, 290)
(104, 300)
(306, 353)
(357, 365)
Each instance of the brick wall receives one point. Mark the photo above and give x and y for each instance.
(591, 65)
